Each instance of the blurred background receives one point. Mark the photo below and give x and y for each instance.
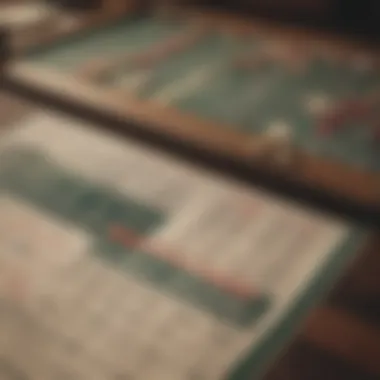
(341, 339)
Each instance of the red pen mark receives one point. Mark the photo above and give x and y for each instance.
(224, 282)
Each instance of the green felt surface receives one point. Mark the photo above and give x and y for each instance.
(247, 101)
(133, 35)
(29, 175)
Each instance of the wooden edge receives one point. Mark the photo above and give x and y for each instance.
(11, 110)
(114, 9)
(340, 178)
(345, 336)
(330, 176)
(363, 279)
(246, 25)
(150, 115)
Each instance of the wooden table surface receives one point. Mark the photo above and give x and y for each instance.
(341, 338)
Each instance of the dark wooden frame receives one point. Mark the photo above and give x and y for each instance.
(338, 183)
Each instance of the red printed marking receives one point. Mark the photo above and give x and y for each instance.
(131, 239)
(358, 110)
(347, 111)
(331, 123)
(126, 237)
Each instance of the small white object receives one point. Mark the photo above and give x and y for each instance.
(279, 131)
(280, 136)
(317, 104)
(133, 82)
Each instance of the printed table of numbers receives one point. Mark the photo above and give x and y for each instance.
(120, 263)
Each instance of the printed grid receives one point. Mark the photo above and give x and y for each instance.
(66, 313)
